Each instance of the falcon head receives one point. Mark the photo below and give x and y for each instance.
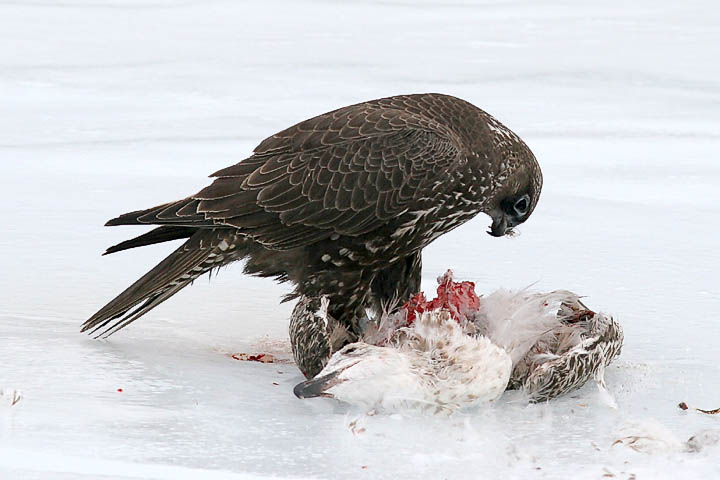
(517, 195)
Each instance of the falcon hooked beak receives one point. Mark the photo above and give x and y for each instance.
(501, 226)
(512, 212)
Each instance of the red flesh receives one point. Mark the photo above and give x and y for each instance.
(458, 298)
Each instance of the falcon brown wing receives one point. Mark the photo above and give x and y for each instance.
(345, 172)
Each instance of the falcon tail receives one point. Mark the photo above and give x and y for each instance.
(204, 250)
(157, 235)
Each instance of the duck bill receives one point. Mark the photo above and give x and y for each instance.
(318, 386)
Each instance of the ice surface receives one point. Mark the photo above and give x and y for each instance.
(110, 106)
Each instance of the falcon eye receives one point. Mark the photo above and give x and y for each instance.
(351, 350)
(522, 205)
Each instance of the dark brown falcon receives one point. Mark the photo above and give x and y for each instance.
(341, 205)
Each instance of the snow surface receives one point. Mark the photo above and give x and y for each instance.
(111, 106)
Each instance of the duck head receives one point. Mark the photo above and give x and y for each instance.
(430, 366)
(366, 375)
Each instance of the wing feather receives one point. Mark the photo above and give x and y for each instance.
(348, 172)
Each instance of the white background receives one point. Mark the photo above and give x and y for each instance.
(112, 106)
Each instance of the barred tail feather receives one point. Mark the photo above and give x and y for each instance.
(204, 250)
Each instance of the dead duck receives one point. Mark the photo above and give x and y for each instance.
(557, 344)
(454, 351)
(430, 365)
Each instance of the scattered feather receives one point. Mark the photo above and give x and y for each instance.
(10, 397)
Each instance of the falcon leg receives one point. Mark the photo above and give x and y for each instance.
(332, 304)
(327, 316)
(315, 334)
(395, 284)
